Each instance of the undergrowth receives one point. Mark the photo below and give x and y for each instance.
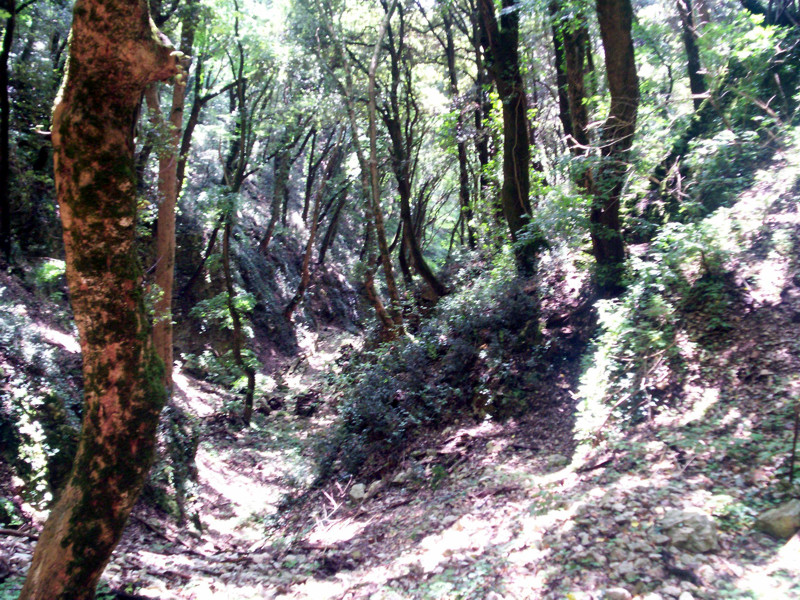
(471, 356)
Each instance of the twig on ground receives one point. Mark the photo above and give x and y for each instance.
(18, 533)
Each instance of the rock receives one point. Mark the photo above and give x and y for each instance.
(691, 531)
(781, 522)
(686, 596)
(401, 477)
(557, 461)
(705, 572)
(374, 488)
(626, 567)
(449, 520)
(672, 590)
(617, 593)
(358, 492)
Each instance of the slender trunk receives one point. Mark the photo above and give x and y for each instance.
(279, 191)
(370, 182)
(573, 61)
(168, 196)
(561, 71)
(114, 54)
(5, 151)
(168, 190)
(697, 82)
(330, 233)
(375, 195)
(402, 146)
(615, 18)
(311, 176)
(461, 142)
(502, 46)
(305, 273)
(237, 340)
(482, 110)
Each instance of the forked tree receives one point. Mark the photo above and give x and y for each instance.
(115, 52)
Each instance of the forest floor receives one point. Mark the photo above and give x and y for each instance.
(512, 510)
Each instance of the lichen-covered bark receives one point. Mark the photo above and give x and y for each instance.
(115, 52)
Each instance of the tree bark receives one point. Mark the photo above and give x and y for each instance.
(697, 83)
(461, 142)
(334, 162)
(482, 110)
(168, 196)
(238, 341)
(401, 128)
(615, 18)
(502, 47)
(5, 116)
(115, 53)
(392, 319)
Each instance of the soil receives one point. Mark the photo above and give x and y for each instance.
(512, 510)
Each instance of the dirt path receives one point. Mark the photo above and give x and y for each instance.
(510, 511)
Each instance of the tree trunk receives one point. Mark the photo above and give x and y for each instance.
(391, 320)
(502, 46)
(5, 116)
(334, 162)
(561, 71)
(280, 190)
(114, 54)
(330, 233)
(168, 196)
(573, 61)
(237, 341)
(401, 133)
(483, 108)
(615, 18)
(461, 142)
(697, 82)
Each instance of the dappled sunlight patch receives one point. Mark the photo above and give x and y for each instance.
(329, 533)
(66, 341)
(200, 403)
(705, 399)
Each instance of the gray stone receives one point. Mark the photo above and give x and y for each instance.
(617, 593)
(374, 488)
(557, 461)
(690, 530)
(781, 522)
(401, 477)
(358, 492)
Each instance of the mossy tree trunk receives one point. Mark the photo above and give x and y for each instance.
(615, 18)
(502, 57)
(115, 52)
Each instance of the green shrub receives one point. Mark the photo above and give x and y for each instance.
(471, 356)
